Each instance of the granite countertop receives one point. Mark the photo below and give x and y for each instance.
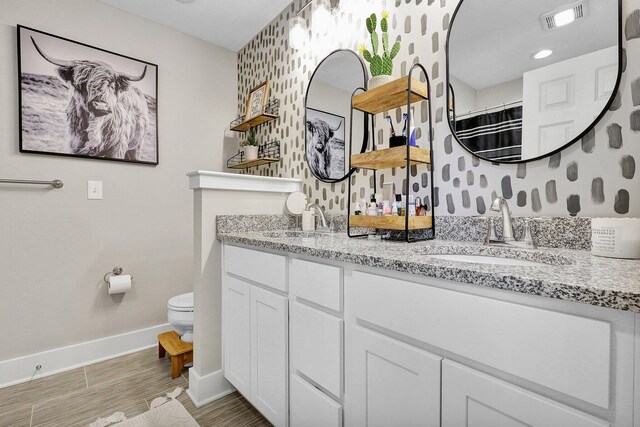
(570, 275)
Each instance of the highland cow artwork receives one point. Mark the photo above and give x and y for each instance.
(81, 101)
(325, 144)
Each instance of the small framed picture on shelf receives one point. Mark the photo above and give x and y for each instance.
(257, 100)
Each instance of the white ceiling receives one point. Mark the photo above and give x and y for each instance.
(229, 24)
(491, 41)
(342, 70)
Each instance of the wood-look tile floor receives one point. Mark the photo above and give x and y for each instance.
(126, 384)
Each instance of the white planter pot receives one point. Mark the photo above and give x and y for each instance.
(250, 153)
(379, 81)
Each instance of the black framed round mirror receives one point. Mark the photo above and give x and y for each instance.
(531, 78)
(332, 129)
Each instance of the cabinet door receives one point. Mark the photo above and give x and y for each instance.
(236, 333)
(473, 399)
(269, 349)
(390, 383)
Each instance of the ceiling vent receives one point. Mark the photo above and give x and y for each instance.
(553, 19)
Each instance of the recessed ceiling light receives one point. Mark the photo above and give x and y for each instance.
(565, 17)
(542, 54)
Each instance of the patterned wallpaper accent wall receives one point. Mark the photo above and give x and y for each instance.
(594, 177)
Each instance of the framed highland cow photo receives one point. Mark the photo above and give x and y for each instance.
(326, 151)
(82, 101)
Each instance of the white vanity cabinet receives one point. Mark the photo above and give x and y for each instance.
(255, 329)
(321, 343)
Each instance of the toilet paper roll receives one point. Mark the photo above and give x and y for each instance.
(119, 284)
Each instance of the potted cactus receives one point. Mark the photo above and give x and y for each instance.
(381, 66)
(250, 146)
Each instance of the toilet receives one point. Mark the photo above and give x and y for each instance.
(180, 315)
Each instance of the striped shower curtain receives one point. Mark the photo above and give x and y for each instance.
(496, 136)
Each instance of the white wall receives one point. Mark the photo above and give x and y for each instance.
(465, 96)
(503, 93)
(55, 245)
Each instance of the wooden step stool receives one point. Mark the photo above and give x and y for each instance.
(181, 352)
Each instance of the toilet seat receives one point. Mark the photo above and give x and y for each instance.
(182, 302)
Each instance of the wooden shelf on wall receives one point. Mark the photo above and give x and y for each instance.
(253, 163)
(390, 222)
(258, 120)
(390, 158)
(390, 95)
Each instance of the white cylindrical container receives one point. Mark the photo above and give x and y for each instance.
(616, 237)
(308, 220)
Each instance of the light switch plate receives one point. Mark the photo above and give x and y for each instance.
(94, 190)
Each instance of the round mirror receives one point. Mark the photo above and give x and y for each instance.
(526, 79)
(333, 130)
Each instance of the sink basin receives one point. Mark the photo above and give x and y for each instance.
(294, 234)
(488, 259)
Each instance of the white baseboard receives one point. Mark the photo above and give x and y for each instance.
(22, 369)
(205, 389)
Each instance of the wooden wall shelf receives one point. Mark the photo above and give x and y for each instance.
(253, 163)
(390, 95)
(390, 222)
(390, 158)
(245, 126)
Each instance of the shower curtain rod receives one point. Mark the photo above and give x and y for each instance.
(489, 108)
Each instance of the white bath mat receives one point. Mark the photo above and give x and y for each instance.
(164, 412)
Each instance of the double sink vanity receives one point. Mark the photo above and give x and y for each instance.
(322, 330)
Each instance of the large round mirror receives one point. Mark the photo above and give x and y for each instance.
(527, 79)
(333, 130)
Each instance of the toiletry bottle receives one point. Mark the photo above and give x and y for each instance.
(412, 130)
(357, 211)
(373, 207)
(394, 209)
(399, 204)
(403, 205)
(411, 207)
(364, 207)
(386, 208)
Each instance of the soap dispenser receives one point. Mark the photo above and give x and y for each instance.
(308, 219)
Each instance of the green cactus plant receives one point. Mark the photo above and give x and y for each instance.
(380, 64)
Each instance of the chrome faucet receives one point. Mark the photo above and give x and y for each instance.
(324, 226)
(500, 205)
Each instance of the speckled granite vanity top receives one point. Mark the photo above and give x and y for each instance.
(565, 274)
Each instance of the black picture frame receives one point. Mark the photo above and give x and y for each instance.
(365, 139)
(55, 132)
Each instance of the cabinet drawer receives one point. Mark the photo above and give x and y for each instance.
(318, 283)
(316, 346)
(563, 352)
(260, 267)
(472, 398)
(312, 408)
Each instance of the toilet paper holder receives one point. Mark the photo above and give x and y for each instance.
(115, 272)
